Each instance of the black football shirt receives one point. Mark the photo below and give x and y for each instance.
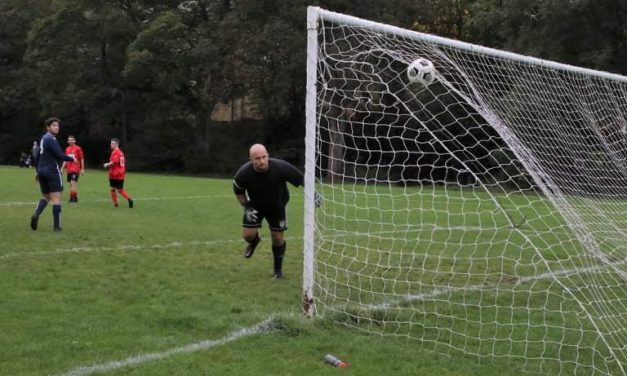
(267, 190)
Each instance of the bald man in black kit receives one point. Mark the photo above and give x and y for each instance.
(260, 186)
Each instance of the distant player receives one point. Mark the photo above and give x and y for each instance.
(34, 154)
(74, 170)
(117, 173)
(48, 174)
(260, 187)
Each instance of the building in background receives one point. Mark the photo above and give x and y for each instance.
(235, 110)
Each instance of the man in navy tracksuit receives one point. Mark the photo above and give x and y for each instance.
(49, 175)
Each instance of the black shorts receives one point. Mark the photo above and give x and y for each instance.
(277, 219)
(50, 182)
(116, 183)
(72, 176)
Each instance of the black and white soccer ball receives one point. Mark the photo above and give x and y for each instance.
(421, 71)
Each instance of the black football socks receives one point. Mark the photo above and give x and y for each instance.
(278, 252)
(56, 216)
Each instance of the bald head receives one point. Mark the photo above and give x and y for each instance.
(259, 157)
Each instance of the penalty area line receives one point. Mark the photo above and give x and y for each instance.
(122, 248)
(262, 327)
(136, 198)
(125, 248)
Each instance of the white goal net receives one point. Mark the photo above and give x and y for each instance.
(483, 214)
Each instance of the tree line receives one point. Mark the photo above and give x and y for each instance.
(151, 72)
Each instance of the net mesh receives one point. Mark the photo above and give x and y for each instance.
(483, 214)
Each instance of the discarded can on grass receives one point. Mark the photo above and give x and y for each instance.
(335, 361)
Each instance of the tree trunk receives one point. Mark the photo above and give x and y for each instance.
(336, 150)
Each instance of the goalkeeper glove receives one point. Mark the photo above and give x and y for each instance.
(317, 199)
(251, 214)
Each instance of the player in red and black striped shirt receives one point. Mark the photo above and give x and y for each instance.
(117, 173)
(74, 170)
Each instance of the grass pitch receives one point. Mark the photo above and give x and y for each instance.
(163, 289)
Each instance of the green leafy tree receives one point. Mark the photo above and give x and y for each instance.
(151, 71)
(176, 65)
(19, 107)
(584, 32)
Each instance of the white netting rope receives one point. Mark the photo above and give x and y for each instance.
(483, 213)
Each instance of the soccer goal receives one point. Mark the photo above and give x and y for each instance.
(475, 200)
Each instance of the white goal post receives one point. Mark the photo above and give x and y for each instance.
(481, 212)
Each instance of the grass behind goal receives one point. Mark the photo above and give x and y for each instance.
(479, 286)
(119, 282)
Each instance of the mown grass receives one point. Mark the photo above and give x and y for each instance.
(468, 271)
(119, 282)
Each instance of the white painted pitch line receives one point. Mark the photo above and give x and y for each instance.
(446, 290)
(127, 247)
(262, 327)
(138, 199)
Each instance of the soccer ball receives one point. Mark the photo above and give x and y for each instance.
(421, 71)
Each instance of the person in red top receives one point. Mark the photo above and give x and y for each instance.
(74, 170)
(117, 173)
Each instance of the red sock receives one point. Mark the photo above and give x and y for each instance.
(124, 194)
(72, 194)
(114, 197)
